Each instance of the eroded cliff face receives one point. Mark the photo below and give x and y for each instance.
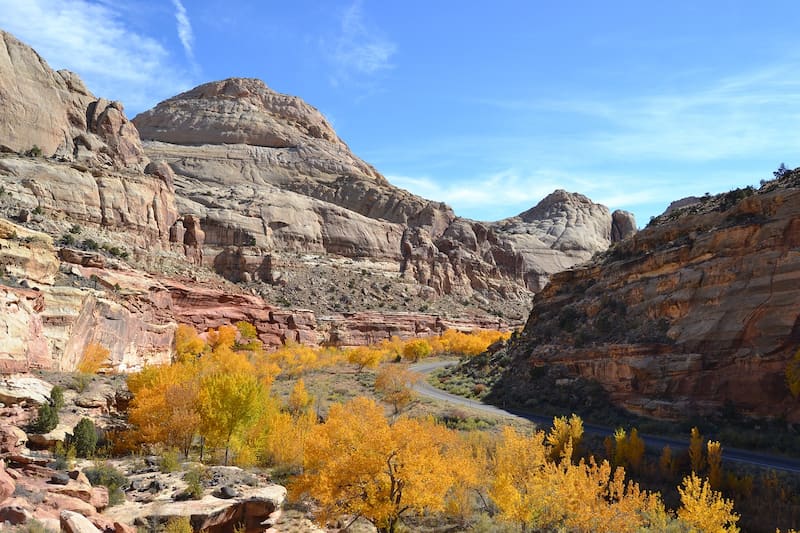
(699, 309)
(266, 173)
(55, 112)
(256, 186)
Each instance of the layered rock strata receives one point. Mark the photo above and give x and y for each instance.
(700, 309)
(265, 173)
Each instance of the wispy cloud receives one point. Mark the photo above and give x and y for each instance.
(92, 39)
(184, 28)
(359, 50)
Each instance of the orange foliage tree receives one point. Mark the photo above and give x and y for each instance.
(394, 383)
(356, 463)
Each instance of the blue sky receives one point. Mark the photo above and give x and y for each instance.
(488, 107)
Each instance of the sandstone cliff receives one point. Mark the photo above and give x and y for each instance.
(700, 309)
(56, 113)
(266, 174)
(257, 187)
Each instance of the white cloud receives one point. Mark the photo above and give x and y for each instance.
(359, 50)
(184, 28)
(92, 39)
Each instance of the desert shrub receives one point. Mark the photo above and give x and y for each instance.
(106, 475)
(75, 229)
(178, 524)
(168, 462)
(46, 419)
(57, 398)
(194, 483)
(84, 436)
(64, 456)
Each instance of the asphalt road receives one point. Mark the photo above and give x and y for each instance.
(763, 460)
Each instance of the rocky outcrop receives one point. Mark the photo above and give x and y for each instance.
(141, 204)
(266, 174)
(55, 113)
(700, 309)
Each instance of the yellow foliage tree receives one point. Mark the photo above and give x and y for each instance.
(696, 451)
(714, 449)
(705, 509)
(518, 487)
(357, 464)
(416, 349)
(535, 492)
(295, 359)
(164, 405)
(94, 355)
(394, 383)
(365, 357)
(565, 432)
(188, 344)
(299, 399)
(228, 402)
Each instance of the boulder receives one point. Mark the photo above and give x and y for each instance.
(72, 522)
(16, 388)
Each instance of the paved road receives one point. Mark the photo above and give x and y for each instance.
(728, 454)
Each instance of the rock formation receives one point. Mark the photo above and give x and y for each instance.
(265, 173)
(700, 308)
(253, 184)
(55, 113)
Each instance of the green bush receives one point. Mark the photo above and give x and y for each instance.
(46, 420)
(57, 398)
(84, 437)
(168, 462)
(111, 478)
(194, 483)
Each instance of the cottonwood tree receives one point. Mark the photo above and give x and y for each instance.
(356, 463)
(394, 384)
(705, 509)
(228, 402)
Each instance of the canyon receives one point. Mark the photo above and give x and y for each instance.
(233, 202)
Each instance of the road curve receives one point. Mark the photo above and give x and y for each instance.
(784, 464)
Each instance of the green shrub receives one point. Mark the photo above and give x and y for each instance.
(67, 239)
(75, 229)
(168, 461)
(90, 244)
(57, 398)
(84, 437)
(194, 482)
(111, 478)
(38, 210)
(35, 151)
(46, 420)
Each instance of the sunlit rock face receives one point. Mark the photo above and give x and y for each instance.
(699, 309)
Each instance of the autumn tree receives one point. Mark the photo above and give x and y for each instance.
(696, 451)
(299, 399)
(356, 463)
(705, 509)
(416, 349)
(228, 402)
(536, 492)
(365, 357)
(94, 355)
(188, 344)
(714, 449)
(164, 405)
(563, 433)
(626, 449)
(394, 384)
